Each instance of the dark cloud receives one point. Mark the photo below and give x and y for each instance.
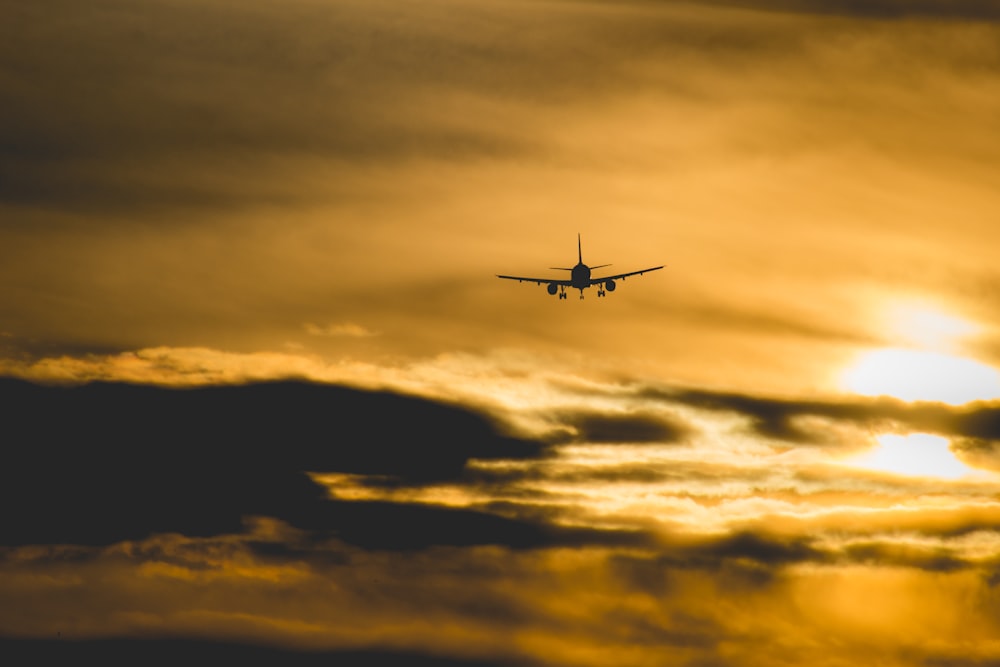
(631, 427)
(980, 421)
(776, 418)
(132, 651)
(956, 659)
(101, 463)
(758, 557)
(627, 472)
(743, 560)
(892, 555)
(780, 419)
(401, 526)
(766, 549)
(508, 481)
(878, 9)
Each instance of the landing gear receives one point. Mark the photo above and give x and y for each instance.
(600, 292)
(562, 295)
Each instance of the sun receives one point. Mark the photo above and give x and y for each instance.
(913, 455)
(919, 375)
(926, 363)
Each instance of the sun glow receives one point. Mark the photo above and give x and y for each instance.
(913, 455)
(928, 328)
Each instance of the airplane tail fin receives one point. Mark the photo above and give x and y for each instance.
(579, 250)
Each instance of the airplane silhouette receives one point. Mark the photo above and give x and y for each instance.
(580, 277)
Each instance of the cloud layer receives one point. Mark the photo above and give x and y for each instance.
(675, 505)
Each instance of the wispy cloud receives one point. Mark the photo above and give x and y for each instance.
(348, 329)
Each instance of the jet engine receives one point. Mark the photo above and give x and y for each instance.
(552, 288)
(609, 285)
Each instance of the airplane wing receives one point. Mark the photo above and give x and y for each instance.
(538, 281)
(622, 276)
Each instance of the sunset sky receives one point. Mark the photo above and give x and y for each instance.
(263, 391)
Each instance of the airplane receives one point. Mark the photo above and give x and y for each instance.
(580, 277)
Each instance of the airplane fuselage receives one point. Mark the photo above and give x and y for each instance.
(580, 276)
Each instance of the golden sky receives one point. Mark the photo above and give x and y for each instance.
(783, 448)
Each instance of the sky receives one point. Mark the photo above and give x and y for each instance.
(263, 393)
